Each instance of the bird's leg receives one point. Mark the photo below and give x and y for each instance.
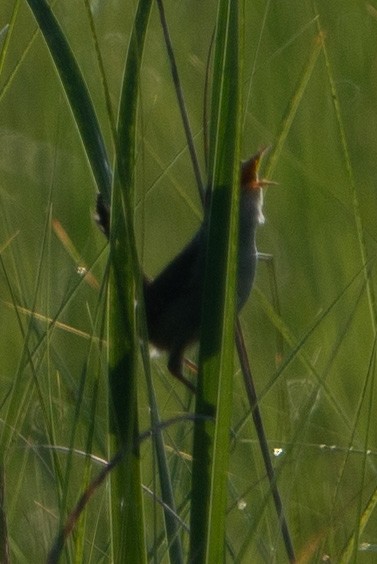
(175, 367)
(190, 365)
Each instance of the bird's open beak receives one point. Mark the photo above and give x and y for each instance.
(249, 172)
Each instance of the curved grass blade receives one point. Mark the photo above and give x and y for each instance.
(98, 480)
(101, 67)
(211, 441)
(77, 93)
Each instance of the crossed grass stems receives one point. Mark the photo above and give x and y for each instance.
(240, 343)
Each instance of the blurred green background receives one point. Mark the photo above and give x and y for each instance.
(310, 92)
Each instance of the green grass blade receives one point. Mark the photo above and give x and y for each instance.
(294, 105)
(4, 548)
(211, 440)
(128, 542)
(172, 524)
(76, 92)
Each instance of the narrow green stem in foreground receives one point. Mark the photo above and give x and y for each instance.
(214, 399)
(127, 523)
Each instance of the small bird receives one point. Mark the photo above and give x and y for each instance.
(173, 300)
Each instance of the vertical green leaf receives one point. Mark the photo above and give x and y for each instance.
(211, 439)
(128, 542)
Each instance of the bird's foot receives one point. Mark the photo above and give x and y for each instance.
(175, 365)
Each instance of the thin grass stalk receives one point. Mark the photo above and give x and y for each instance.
(101, 67)
(172, 524)
(303, 423)
(359, 224)
(298, 350)
(181, 100)
(19, 397)
(96, 482)
(262, 439)
(4, 541)
(363, 513)
(294, 105)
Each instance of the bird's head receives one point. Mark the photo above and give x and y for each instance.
(251, 184)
